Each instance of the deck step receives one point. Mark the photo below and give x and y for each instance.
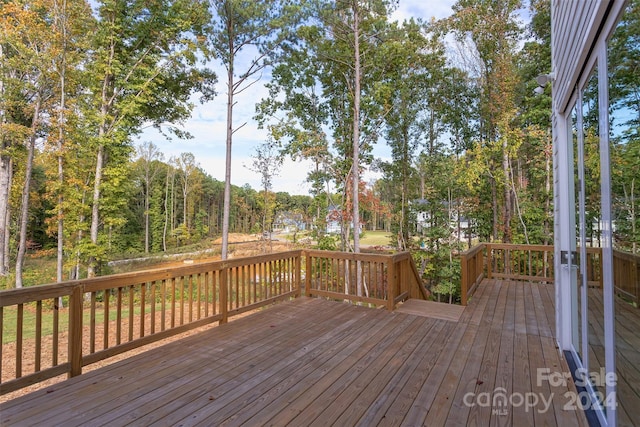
(436, 310)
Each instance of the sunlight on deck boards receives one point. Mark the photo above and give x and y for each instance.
(437, 310)
(316, 362)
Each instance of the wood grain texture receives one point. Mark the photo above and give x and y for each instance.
(316, 362)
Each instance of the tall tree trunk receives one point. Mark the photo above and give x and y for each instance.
(5, 187)
(506, 218)
(61, 16)
(227, 170)
(5, 179)
(494, 208)
(146, 216)
(356, 135)
(95, 208)
(24, 208)
(166, 212)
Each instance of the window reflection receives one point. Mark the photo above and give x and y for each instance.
(624, 123)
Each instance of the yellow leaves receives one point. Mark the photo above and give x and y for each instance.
(23, 21)
(14, 132)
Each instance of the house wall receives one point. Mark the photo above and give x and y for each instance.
(574, 27)
(580, 29)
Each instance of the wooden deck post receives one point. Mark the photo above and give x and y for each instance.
(391, 284)
(75, 332)
(297, 274)
(464, 285)
(489, 260)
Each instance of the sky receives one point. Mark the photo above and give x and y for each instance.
(208, 122)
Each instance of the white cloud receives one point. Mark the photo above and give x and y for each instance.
(426, 10)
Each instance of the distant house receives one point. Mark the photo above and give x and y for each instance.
(289, 222)
(334, 220)
(459, 225)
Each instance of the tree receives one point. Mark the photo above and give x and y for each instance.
(187, 167)
(25, 29)
(267, 163)
(257, 29)
(148, 155)
(492, 30)
(72, 26)
(624, 93)
(145, 66)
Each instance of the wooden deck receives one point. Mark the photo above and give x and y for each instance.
(315, 362)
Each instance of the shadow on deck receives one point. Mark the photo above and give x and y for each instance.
(309, 361)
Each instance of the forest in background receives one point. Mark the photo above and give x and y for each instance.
(453, 99)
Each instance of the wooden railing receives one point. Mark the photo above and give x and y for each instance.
(626, 276)
(108, 315)
(535, 263)
(57, 329)
(472, 271)
(380, 280)
(520, 262)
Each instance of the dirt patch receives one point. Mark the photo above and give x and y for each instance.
(238, 237)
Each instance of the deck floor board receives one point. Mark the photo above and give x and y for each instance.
(318, 362)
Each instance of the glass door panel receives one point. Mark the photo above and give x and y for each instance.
(623, 52)
(590, 231)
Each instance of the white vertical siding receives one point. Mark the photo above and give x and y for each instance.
(574, 27)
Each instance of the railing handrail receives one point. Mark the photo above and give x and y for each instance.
(172, 291)
(225, 274)
(483, 259)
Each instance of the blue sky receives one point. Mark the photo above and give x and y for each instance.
(208, 122)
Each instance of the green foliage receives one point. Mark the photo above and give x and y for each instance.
(327, 242)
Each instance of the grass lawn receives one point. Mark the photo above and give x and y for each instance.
(375, 238)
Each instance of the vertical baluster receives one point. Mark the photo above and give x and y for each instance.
(190, 296)
(199, 294)
(254, 280)
(19, 332)
(182, 279)
(243, 286)
(236, 275)
(118, 316)
(92, 323)
(38, 337)
(105, 338)
(173, 302)
(207, 279)
(131, 311)
(163, 305)
(143, 304)
(153, 307)
(56, 328)
(216, 297)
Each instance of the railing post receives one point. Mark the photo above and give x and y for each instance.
(298, 274)
(479, 266)
(391, 284)
(464, 285)
(489, 260)
(75, 332)
(224, 294)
